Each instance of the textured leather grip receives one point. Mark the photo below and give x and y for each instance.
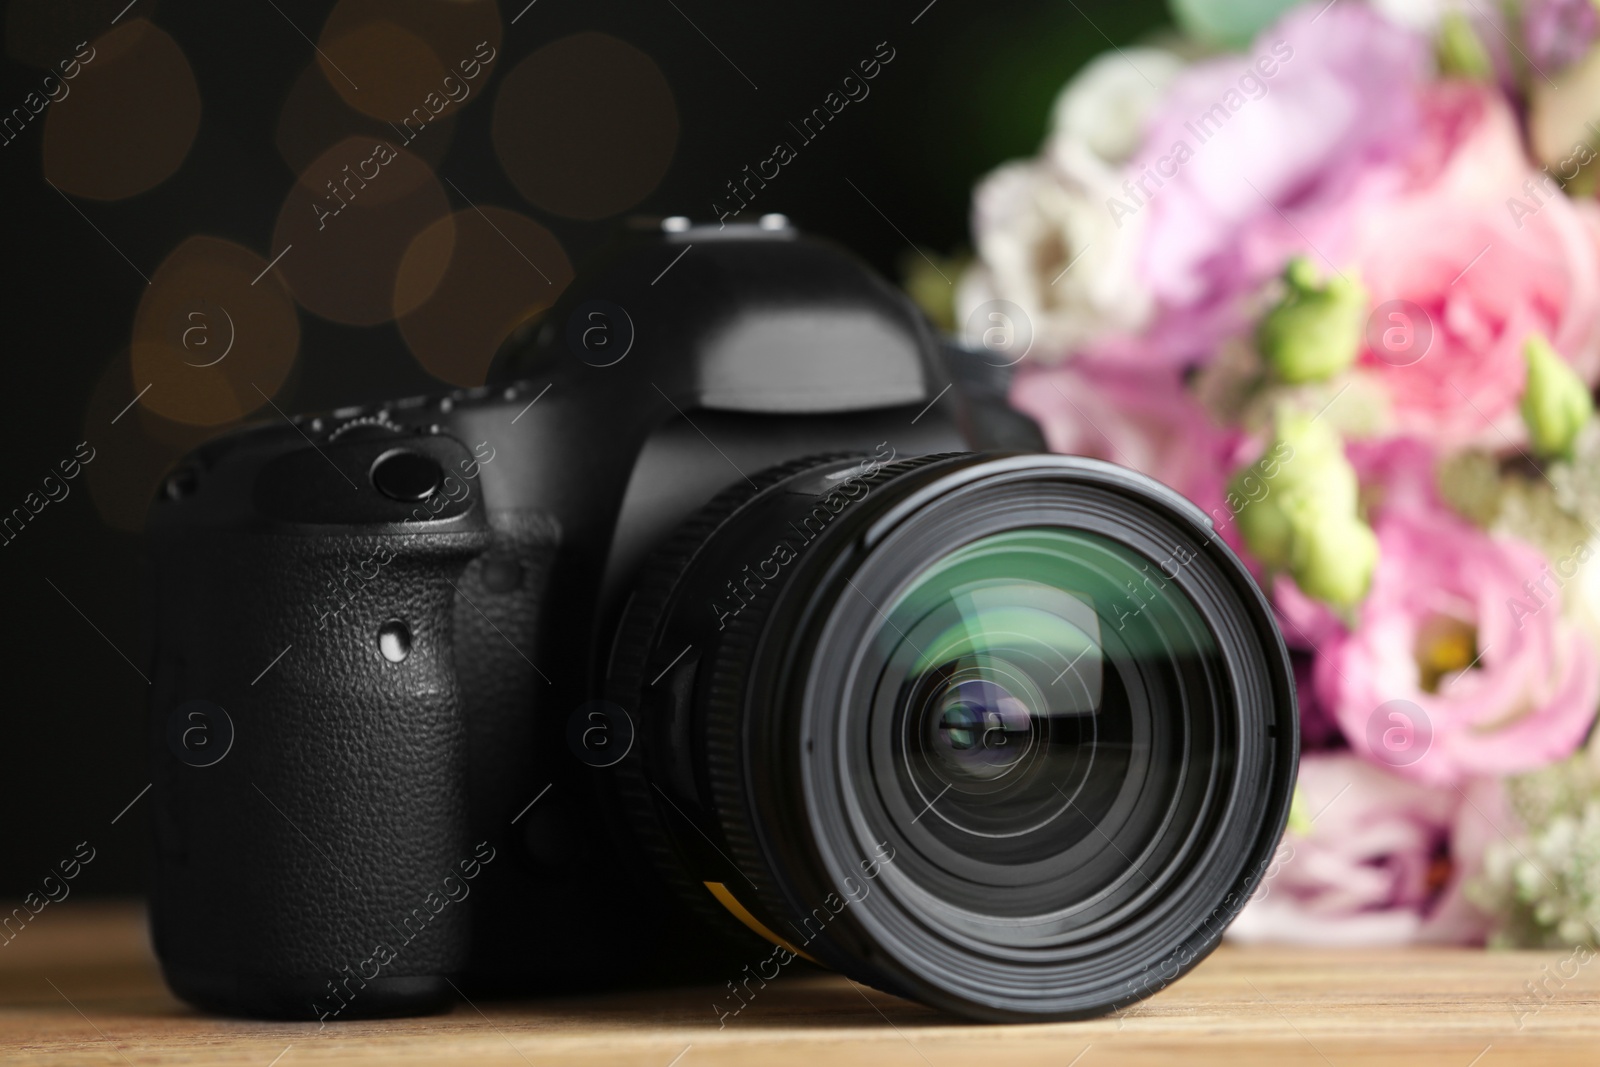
(319, 868)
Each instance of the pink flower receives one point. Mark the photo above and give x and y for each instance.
(1383, 863)
(1399, 473)
(1396, 473)
(1270, 163)
(1143, 419)
(1454, 668)
(1480, 263)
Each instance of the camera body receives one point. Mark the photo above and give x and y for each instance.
(381, 639)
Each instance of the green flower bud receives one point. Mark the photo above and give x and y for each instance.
(1262, 523)
(1297, 511)
(1314, 462)
(1555, 402)
(1332, 555)
(1460, 50)
(1315, 330)
(1304, 464)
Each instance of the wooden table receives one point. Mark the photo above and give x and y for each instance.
(79, 986)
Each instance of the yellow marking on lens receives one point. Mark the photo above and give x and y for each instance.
(740, 912)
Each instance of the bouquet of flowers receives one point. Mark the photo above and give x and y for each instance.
(1333, 272)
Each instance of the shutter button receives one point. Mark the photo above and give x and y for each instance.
(406, 476)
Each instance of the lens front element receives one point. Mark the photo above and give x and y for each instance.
(1038, 692)
(995, 709)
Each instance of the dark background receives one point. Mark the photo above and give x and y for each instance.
(969, 87)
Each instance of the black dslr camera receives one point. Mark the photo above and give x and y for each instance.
(738, 623)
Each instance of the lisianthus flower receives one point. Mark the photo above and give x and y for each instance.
(1458, 664)
(1045, 242)
(1146, 420)
(1046, 245)
(1382, 862)
(1488, 24)
(1243, 168)
(1105, 106)
(1472, 259)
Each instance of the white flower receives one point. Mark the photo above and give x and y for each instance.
(1104, 108)
(1046, 239)
(1421, 15)
(1047, 244)
(1542, 883)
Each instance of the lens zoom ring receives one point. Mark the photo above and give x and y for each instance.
(642, 809)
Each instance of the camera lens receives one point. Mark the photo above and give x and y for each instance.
(1014, 736)
(1025, 688)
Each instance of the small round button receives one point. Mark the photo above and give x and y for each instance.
(406, 476)
(394, 640)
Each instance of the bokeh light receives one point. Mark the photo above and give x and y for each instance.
(349, 219)
(126, 122)
(586, 126)
(386, 58)
(485, 273)
(214, 336)
(315, 118)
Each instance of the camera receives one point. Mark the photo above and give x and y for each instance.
(737, 625)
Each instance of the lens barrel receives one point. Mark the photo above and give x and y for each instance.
(1014, 736)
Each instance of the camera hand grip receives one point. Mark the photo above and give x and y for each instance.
(319, 867)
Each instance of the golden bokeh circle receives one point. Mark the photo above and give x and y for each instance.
(215, 334)
(348, 221)
(314, 118)
(586, 126)
(485, 273)
(385, 57)
(127, 120)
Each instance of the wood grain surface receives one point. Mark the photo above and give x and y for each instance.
(79, 986)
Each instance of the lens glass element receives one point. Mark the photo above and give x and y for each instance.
(1040, 695)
